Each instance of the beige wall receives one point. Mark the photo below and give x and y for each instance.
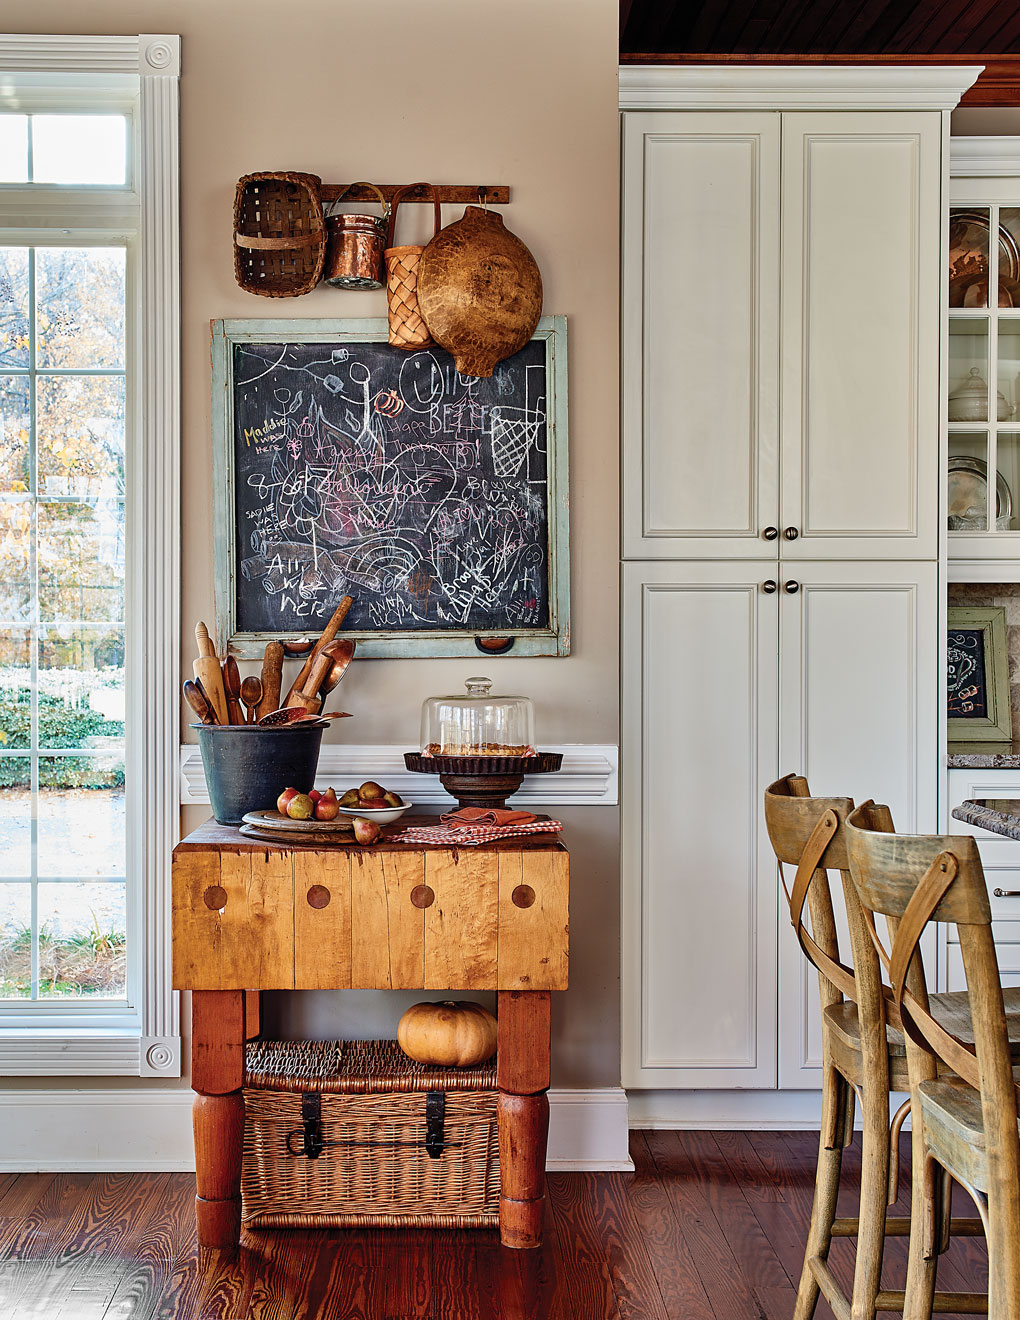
(521, 92)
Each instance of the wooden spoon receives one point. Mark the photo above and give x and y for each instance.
(232, 687)
(251, 695)
(198, 703)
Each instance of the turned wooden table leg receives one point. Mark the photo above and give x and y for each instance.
(217, 1076)
(522, 1074)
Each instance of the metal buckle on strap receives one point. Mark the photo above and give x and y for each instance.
(312, 1143)
(435, 1117)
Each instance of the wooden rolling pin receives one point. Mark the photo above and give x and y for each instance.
(272, 679)
(232, 687)
(300, 683)
(207, 670)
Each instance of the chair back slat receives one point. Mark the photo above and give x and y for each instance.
(791, 815)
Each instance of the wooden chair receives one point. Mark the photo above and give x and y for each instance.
(964, 1124)
(862, 1054)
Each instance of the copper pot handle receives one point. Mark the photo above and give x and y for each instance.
(363, 184)
(399, 196)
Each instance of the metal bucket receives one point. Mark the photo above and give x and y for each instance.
(247, 767)
(355, 244)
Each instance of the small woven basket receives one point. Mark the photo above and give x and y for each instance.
(355, 1134)
(279, 233)
(407, 325)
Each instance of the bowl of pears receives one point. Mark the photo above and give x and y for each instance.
(373, 802)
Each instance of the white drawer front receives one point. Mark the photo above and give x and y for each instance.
(1009, 964)
(996, 850)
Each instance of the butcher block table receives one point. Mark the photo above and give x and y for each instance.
(251, 916)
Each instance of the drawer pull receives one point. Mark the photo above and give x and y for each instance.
(318, 896)
(423, 896)
(523, 896)
(1006, 893)
(215, 898)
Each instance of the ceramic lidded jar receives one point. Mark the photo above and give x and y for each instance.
(480, 291)
(969, 401)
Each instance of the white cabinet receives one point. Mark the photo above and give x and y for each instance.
(700, 686)
(782, 267)
(726, 686)
(700, 334)
(793, 257)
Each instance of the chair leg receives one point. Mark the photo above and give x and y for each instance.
(922, 1260)
(1003, 1249)
(874, 1195)
(823, 1210)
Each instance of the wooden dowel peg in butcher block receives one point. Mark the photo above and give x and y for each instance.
(207, 670)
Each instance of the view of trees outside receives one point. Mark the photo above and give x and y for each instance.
(62, 410)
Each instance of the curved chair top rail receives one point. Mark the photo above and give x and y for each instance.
(791, 816)
(886, 868)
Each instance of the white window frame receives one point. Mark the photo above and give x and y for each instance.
(142, 72)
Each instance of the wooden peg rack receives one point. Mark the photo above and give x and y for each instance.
(490, 194)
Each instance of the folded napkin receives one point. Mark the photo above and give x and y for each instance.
(469, 835)
(469, 817)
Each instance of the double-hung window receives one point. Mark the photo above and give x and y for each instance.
(88, 552)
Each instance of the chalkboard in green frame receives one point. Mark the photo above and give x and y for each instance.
(343, 466)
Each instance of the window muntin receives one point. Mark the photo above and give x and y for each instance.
(63, 896)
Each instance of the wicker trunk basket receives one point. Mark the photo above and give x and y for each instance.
(355, 1134)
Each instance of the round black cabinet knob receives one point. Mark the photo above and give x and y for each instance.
(791, 588)
(791, 533)
(768, 587)
(770, 533)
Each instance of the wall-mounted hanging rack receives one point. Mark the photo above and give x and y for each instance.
(466, 194)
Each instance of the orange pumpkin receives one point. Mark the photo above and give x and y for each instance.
(451, 1034)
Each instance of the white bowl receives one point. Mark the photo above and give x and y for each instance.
(382, 816)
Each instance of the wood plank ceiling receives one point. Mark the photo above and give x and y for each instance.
(838, 31)
(820, 27)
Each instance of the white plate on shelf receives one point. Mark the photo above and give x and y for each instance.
(384, 816)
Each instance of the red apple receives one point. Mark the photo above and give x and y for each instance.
(300, 807)
(283, 800)
(366, 831)
(327, 807)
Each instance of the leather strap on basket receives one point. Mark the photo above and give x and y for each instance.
(400, 195)
(811, 861)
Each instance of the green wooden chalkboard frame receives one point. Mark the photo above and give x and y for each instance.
(997, 725)
(431, 643)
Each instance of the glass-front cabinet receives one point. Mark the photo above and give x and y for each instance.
(983, 351)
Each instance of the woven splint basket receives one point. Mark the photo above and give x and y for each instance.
(279, 233)
(354, 1134)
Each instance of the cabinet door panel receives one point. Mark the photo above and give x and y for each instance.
(860, 361)
(859, 704)
(699, 745)
(701, 258)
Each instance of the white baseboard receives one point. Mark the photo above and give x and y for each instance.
(729, 1111)
(588, 776)
(150, 1131)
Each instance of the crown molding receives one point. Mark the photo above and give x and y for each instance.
(588, 777)
(984, 157)
(794, 86)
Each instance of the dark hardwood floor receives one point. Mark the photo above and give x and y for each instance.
(709, 1227)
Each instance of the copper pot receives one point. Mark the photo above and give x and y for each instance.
(354, 255)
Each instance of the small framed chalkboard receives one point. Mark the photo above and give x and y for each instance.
(343, 466)
(977, 675)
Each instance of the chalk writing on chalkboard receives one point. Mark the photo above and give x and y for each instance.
(366, 470)
(967, 682)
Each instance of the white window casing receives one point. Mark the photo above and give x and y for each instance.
(140, 73)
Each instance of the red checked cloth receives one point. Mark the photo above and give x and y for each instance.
(472, 835)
